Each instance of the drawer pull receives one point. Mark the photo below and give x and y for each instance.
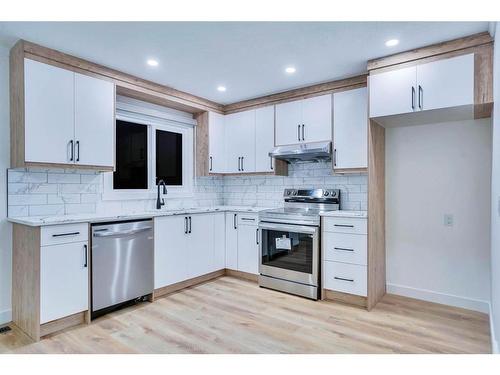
(343, 249)
(247, 219)
(344, 225)
(342, 279)
(66, 234)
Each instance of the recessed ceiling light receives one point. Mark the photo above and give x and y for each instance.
(221, 88)
(152, 62)
(290, 70)
(392, 43)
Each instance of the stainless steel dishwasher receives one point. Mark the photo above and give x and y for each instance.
(122, 264)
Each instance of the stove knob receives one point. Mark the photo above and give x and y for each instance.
(288, 192)
(326, 193)
(334, 193)
(295, 192)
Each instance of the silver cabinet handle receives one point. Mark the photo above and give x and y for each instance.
(343, 249)
(298, 132)
(210, 169)
(413, 98)
(234, 221)
(66, 234)
(303, 138)
(420, 97)
(343, 225)
(257, 236)
(189, 224)
(121, 234)
(77, 146)
(343, 279)
(72, 150)
(85, 254)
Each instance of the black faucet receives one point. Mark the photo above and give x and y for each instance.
(160, 202)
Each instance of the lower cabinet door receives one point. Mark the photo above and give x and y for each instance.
(232, 240)
(171, 253)
(248, 249)
(219, 241)
(200, 246)
(64, 280)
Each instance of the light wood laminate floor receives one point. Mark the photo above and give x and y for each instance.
(230, 315)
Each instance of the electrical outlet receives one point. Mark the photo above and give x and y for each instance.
(448, 220)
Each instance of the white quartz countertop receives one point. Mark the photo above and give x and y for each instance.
(342, 213)
(36, 221)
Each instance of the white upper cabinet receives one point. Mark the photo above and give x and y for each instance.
(216, 143)
(94, 121)
(264, 139)
(442, 84)
(240, 142)
(307, 120)
(350, 124)
(446, 83)
(69, 117)
(317, 119)
(288, 123)
(393, 92)
(49, 113)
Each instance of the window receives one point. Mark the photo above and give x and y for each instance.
(168, 157)
(152, 144)
(131, 156)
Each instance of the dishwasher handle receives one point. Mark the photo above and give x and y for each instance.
(121, 234)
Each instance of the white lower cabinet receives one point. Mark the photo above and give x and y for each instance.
(232, 240)
(64, 275)
(248, 248)
(344, 254)
(200, 244)
(219, 241)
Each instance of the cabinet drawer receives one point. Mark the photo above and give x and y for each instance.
(57, 234)
(248, 219)
(345, 247)
(345, 225)
(346, 278)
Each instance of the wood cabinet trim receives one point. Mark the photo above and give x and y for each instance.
(430, 51)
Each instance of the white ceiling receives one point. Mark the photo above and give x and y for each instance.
(248, 58)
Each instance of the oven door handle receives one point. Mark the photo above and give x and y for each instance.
(289, 228)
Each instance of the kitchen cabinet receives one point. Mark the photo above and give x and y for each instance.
(264, 139)
(219, 231)
(171, 257)
(232, 240)
(94, 121)
(307, 120)
(216, 143)
(240, 142)
(436, 85)
(71, 112)
(63, 280)
(49, 113)
(350, 129)
(200, 244)
(248, 243)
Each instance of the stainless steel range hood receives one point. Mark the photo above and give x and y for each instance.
(314, 151)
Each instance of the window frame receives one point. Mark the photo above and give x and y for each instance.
(166, 123)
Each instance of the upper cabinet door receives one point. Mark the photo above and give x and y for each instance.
(49, 113)
(350, 125)
(216, 139)
(94, 121)
(393, 92)
(316, 124)
(240, 142)
(446, 83)
(288, 123)
(264, 139)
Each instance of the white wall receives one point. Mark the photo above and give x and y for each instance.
(432, 170)
(5, 227)
(495, 200)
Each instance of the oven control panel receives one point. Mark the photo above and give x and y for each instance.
(311, 193)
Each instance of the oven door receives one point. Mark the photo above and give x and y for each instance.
(290, 252)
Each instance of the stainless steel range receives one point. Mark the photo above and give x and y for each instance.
(290, 241)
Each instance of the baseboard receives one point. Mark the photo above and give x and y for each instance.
(445, 299)
(494, 342)
(5, 316)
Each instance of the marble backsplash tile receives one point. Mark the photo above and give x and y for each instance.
(33, 192)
